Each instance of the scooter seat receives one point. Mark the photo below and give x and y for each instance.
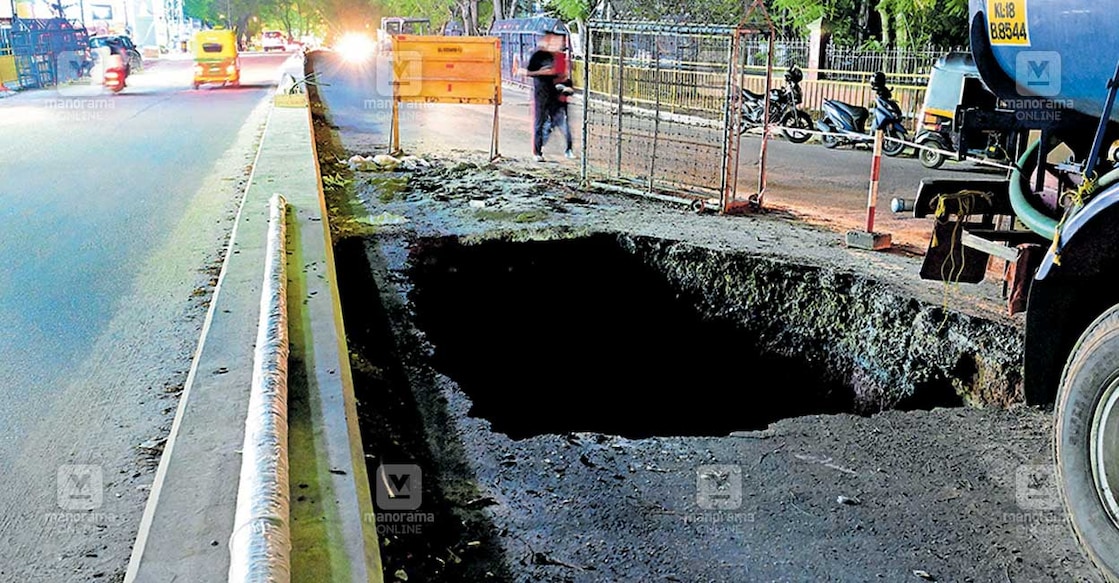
(754, 96)
(858, 114)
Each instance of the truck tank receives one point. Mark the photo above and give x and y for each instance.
(1060, 50)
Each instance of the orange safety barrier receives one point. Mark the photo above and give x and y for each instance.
(445, 69)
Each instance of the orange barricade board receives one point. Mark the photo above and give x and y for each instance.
(446, 69)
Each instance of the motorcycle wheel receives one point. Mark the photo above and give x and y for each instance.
(800, 121)
(892, 148)
(830, 141)
(744, 126)
(930, 159)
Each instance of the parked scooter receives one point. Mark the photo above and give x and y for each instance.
(783, 108)
(850, 120)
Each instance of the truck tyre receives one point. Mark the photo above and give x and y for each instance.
(1087, 441)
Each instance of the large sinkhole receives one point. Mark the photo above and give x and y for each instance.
(580, 335)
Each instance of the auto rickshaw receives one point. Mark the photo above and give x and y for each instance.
(215, 58)
(954, 83)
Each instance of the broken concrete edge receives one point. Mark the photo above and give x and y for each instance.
(158, 483)
(886, 343)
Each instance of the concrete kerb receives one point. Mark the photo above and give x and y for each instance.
(335, 538)
(198, 489)
(189, 520)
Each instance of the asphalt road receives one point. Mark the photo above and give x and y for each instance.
(114, 210)
(824, 186)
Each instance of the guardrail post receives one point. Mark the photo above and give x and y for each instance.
(868, 239)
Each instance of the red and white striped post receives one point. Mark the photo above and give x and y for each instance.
(875, 173)
(869, 239)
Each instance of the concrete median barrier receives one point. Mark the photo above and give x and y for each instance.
(195, 526)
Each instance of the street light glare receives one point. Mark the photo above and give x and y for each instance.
(355, 47)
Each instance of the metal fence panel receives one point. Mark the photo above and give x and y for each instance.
(658, 98)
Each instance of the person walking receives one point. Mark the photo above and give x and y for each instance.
(559, 118)
(547, 109)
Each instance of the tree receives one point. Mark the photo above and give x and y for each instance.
(921, 22)
(569, 10)
(900, 23)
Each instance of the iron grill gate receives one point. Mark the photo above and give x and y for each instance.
(661, 111)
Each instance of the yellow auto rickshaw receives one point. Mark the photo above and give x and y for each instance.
(215, 58)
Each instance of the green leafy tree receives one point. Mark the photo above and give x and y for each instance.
(901, 23)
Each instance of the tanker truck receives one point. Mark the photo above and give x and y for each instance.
(1054, 222)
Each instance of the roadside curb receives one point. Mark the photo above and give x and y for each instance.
(188, 523)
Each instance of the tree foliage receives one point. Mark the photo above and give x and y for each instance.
(901, 23)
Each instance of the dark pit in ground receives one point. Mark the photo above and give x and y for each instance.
(554, 337)
(550, 337)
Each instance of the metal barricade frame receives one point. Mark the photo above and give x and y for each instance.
(654, 121)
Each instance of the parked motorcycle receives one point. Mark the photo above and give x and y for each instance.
(850, 120)
(783, 108)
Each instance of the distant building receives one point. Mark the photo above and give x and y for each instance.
(146, 21)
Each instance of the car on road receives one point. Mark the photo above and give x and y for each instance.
(273, 39)
(119, 43)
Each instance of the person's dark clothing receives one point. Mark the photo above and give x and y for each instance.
(545, 99)
(543, 85)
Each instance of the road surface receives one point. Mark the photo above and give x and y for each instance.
(114, 210)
